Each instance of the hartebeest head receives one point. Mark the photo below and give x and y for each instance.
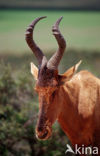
(48, 80)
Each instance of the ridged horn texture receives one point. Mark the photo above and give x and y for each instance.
(55, 59)
(29, 39)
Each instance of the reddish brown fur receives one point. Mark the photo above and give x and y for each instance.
(76, 106)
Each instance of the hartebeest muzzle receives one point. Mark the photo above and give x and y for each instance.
(43, 128)
(43, 133)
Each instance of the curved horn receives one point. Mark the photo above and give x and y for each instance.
(29, 39)
(55, 59)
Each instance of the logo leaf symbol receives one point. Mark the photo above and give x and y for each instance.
(69, 149)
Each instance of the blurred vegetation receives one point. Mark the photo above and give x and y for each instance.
(53, 4)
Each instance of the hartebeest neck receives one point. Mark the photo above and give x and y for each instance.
(70, 118)
(67, 100)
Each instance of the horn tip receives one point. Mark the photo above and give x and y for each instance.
(43, 17)
(60, 18)
(39, 18)
(58, 21)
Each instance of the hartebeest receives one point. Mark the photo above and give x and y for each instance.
(71, 98)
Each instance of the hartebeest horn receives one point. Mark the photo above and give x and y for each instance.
(55, 59)
(29, 39)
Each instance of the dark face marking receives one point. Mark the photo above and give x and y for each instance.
(47, 77)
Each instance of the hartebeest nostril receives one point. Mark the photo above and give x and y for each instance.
(40, 129)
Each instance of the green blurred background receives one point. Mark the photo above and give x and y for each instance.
(18, 101)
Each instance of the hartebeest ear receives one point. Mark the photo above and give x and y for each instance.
(34, 71)
(70, 72)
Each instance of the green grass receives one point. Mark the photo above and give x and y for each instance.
(80, 29)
